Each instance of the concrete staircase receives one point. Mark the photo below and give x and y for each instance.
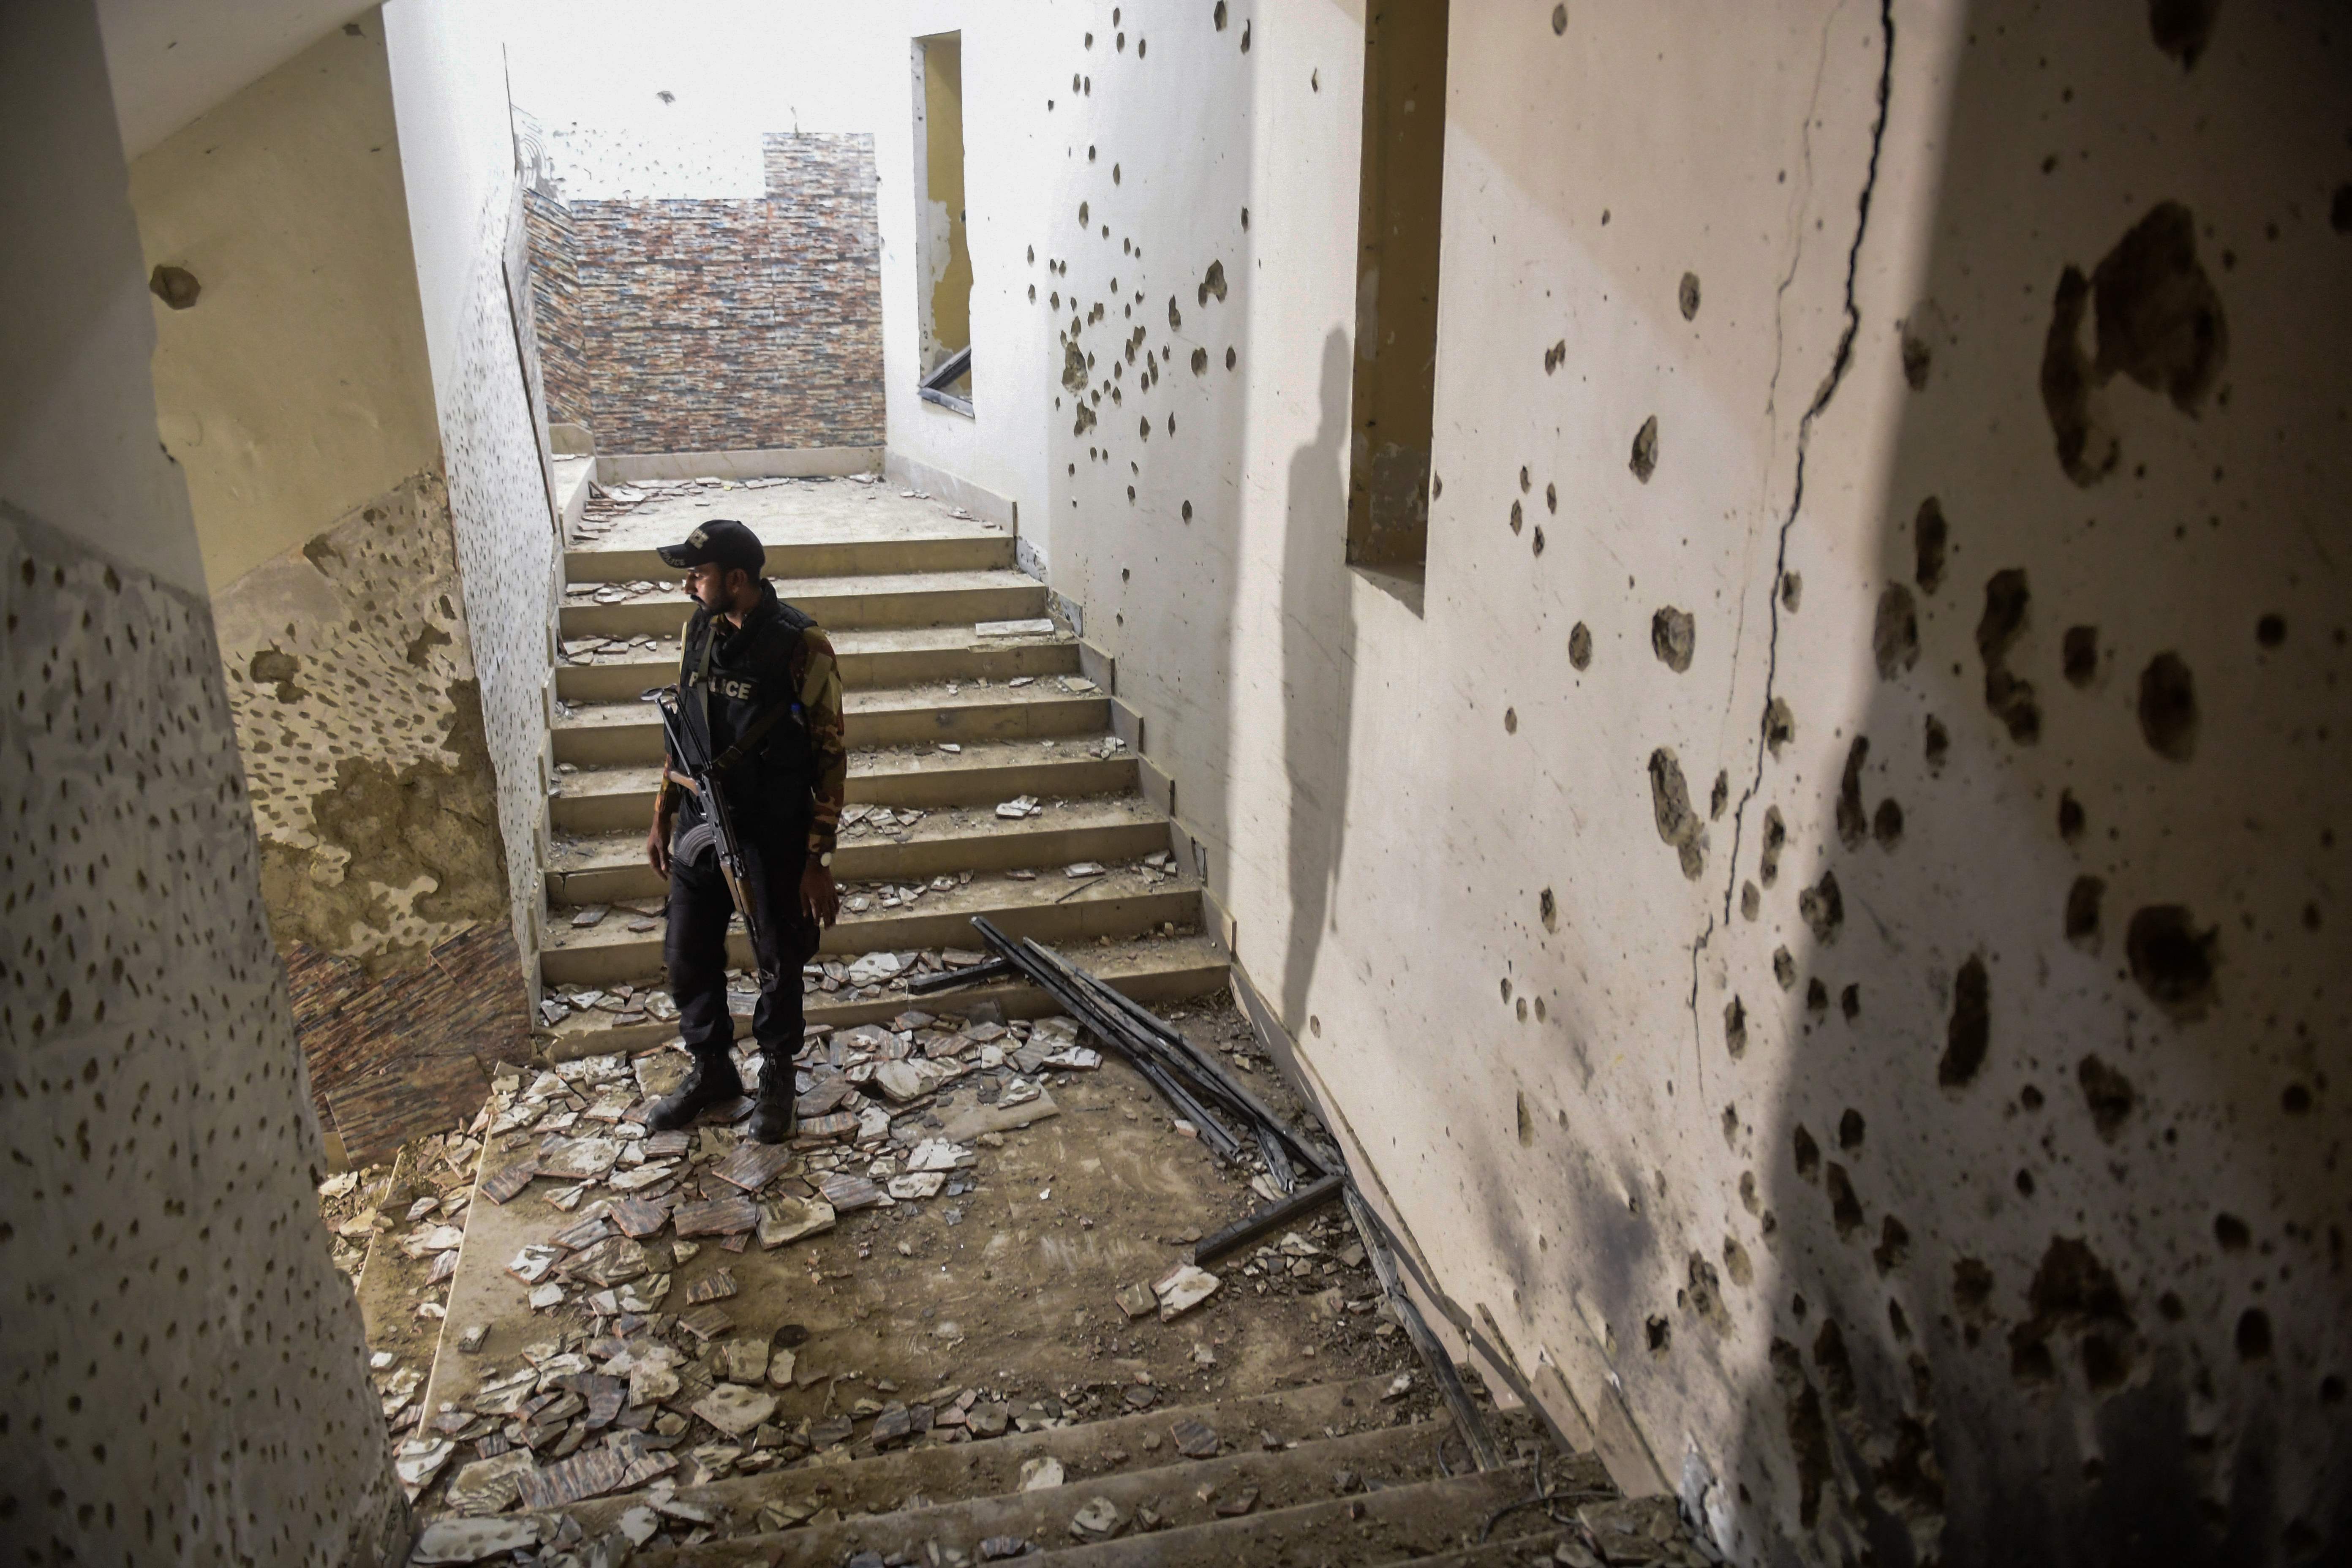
(945, 724)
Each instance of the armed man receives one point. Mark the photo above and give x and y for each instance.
(750, 798)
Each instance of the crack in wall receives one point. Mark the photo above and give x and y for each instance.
(1839, 363)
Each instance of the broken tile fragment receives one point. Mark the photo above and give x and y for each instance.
(717, 1216)
(735, 1409)
(1194, 1439)
(1182, 1289)
(848, 1193)
(1137, 1300)
(714, 1287)
(471, 1539)
(753, 1165)
(503, 1184)
(744, 1359)
(1038, 1474)
(783, 1219)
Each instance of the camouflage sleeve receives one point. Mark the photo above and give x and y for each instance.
(828, 739)
(668, 795)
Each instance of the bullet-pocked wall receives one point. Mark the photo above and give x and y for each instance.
(186, 1372)
(1821, 912)
(466, 234)
(293, 387)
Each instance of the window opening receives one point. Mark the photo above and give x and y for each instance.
(943, 274)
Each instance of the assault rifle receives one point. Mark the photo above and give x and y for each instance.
(702, 776)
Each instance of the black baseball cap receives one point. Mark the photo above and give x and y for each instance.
(723, 540)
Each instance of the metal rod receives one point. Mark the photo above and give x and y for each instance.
(949, 979)
(1271, 1218)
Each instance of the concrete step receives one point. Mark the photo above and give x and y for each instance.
(1152, 970)
(613, 866)
(1182, 1494)
(1124, 903)
(1397, 1524)
(604, 734)
(875, 655)
(981, 549)
(1090, 1453)
(839, 604)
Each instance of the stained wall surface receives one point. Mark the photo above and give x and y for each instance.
(295, 388)
(1923, 1150)
(185, 1367)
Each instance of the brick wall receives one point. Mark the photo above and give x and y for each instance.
(555, 304)
(720, 325)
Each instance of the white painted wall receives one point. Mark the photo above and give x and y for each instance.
(1386, 789)
(297, 386)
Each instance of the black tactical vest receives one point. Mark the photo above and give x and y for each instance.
(725, 685)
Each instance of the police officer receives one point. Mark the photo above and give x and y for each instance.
(750, 666)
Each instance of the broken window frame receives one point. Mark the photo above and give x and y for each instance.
(952, 368)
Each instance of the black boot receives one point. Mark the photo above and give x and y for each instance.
(775, 1117)
(713, 1081)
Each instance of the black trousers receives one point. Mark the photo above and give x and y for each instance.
(696, 946)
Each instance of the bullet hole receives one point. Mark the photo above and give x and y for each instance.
(1553, 356)
(2024, 1183)
(1747, 1198)
(1218, 15)
(2172, 961)
(1245, 37)
(1784, 969)
(1853, 820)
(2070, 816)
(1817, 995)
(1436, 486)
(1580, 646)
(1229, 359)
(1969, 1032)
(1527, 480)
(1730, 1126)
(1886, 823)
(2108, 1093)
(2182, 28)
(1506, 988)
(1735, 1263)
(1143, 429)
(1894, 1248)
(2168, 707)
(1846, 1209)
(2254, 1335)
(270, 667)
(2083, 901)
(2074, 1293)
(1661, 1335)
(1808, 1429)
(1918, 356)
(1213, 282)
(1686, 296)
(1082, 215)
(1971, 1288)
(1672, 635)
(1188, 511)
(1199, 362)
(1527, 1123)
(1807, 1153)
(1172, 424)
(1850, 1128)
(1780, 725)
(1850, 1003)
(1776, 836)
(1558, 20)
(2010, 697)
(2158, 320)
(1315, 81)
(2231, 1232)
(1751, 901)
(2270, 630)
(2295, 1099)
(1823, 908)
(1678, 825)
(1548, 909)
(1735, 1027)
(1176, 322)
(1510, 720)
(1703, 1294)
(1894, 633)
(1929, 537)
(1793, 591)
(1552, 497)
(175, 286)
(1645, 461)
(1539, 541)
